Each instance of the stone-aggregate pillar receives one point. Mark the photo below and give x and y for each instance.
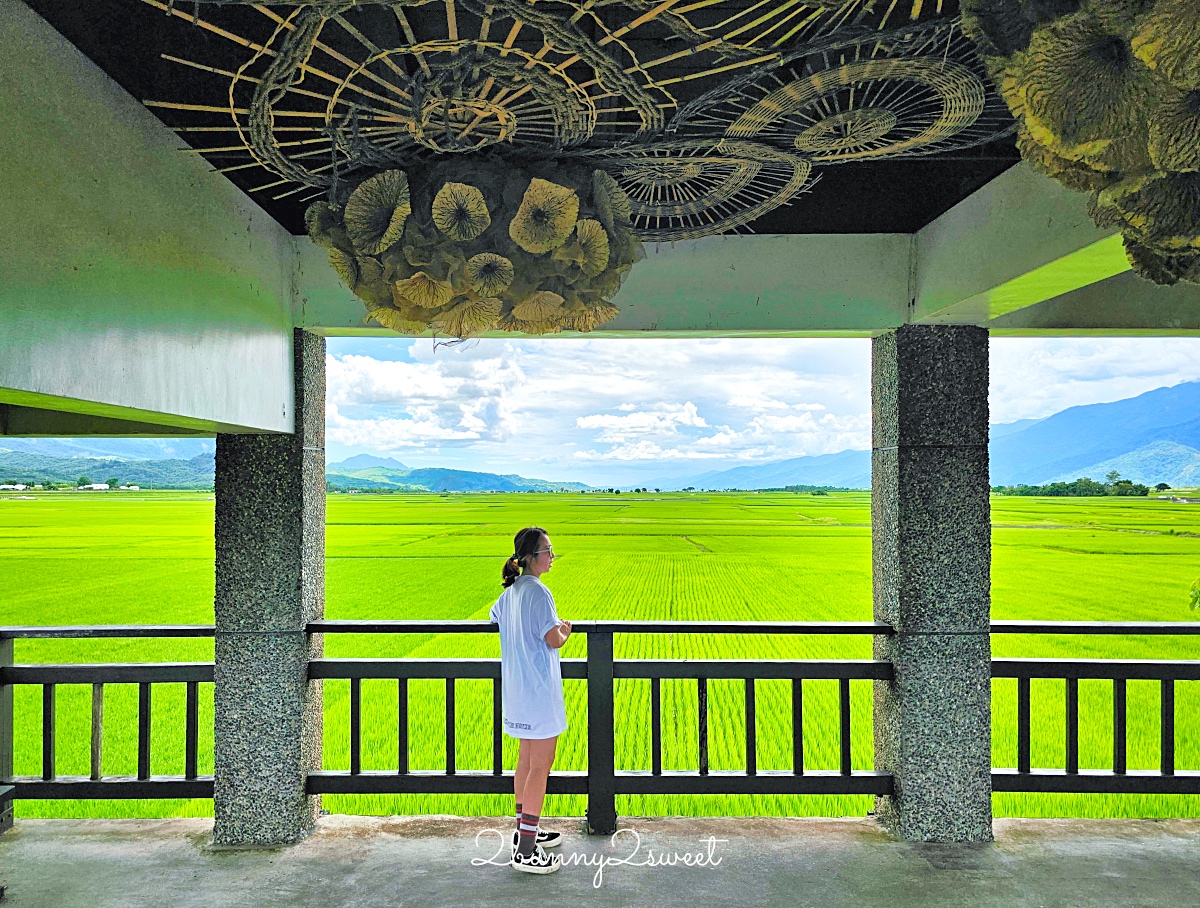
(270, 582)
(931, 548)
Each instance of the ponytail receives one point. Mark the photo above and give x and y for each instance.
(525, 543)
(510, 572)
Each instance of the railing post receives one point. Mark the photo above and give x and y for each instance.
(6, 737)
(931, 547)
(602, 776)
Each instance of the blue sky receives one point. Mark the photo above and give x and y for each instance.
(632, 411)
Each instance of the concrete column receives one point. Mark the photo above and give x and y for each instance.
(270, 581)
(931, 542)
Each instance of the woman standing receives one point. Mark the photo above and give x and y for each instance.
(531, 635)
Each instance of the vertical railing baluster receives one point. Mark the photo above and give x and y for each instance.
(497, 722)
(1119, 726)
(6, 733)
(1072, 725)
(48, 735)
(402, 726)
(1167, 727)
(355, 726)
(144, 730)
(450, 768)
(1023, 725)
(601, 762)
(751, 742)
(656, 726)
(191, 751)
(798, 726)
(702, 724)
(97, 732)
(844, 705)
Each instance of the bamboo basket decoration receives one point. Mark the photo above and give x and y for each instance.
(494, 165)
(1107, 97)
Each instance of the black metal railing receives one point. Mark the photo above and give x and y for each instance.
(602, 781)
(1069, 777)
(140, 784)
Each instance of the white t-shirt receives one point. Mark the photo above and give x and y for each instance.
(530, 676)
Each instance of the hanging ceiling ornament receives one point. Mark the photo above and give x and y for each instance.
(492, 164)
(688, 189)
(465, 246)
(1107, 97)
(915, 90)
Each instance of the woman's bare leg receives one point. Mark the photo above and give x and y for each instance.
(521, 774)
(539, 757)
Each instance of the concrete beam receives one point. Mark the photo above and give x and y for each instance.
(1125, 304)
(35, 422)
(136, 279)
(721, 286)
(1018, 241)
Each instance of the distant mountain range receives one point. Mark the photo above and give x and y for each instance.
(40, 460)
(1126, 435)
(846, 470)
(168, 473)
(124, 449)
(1160, 461)
(1151, 438)
(366, 472)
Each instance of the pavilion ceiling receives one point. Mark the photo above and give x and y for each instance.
(775, 116)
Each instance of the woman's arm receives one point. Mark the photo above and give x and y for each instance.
(557, 636)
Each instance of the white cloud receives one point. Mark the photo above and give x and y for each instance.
(1036, 377)
(662, 419)
(757, 404)
(560, 402)
(629, 411)
(648, 450)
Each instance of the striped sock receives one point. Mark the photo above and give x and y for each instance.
(518, 817)
(528, 836)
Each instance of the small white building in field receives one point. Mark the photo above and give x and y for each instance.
(18, 487)
(131, 488)
(95, 487)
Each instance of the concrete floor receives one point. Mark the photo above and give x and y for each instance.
(427, 861)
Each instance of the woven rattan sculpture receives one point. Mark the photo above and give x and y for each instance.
(481, 165)
(1107, 94)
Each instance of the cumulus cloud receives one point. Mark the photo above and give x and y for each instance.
(648, 450)
(393, 433)
(1036, 377)
(607, 410)
(487, 403)
(662, 419)
(388, 405)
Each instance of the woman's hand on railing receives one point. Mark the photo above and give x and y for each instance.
(557, 636)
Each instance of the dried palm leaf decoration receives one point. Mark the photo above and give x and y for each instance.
(468, 157)
(1107, 94)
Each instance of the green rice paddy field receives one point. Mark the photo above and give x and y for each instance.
(78, 558)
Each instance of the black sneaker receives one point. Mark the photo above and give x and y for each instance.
(544, 838)
(535, 862)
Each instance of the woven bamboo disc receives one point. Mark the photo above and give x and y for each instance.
(685, 190)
